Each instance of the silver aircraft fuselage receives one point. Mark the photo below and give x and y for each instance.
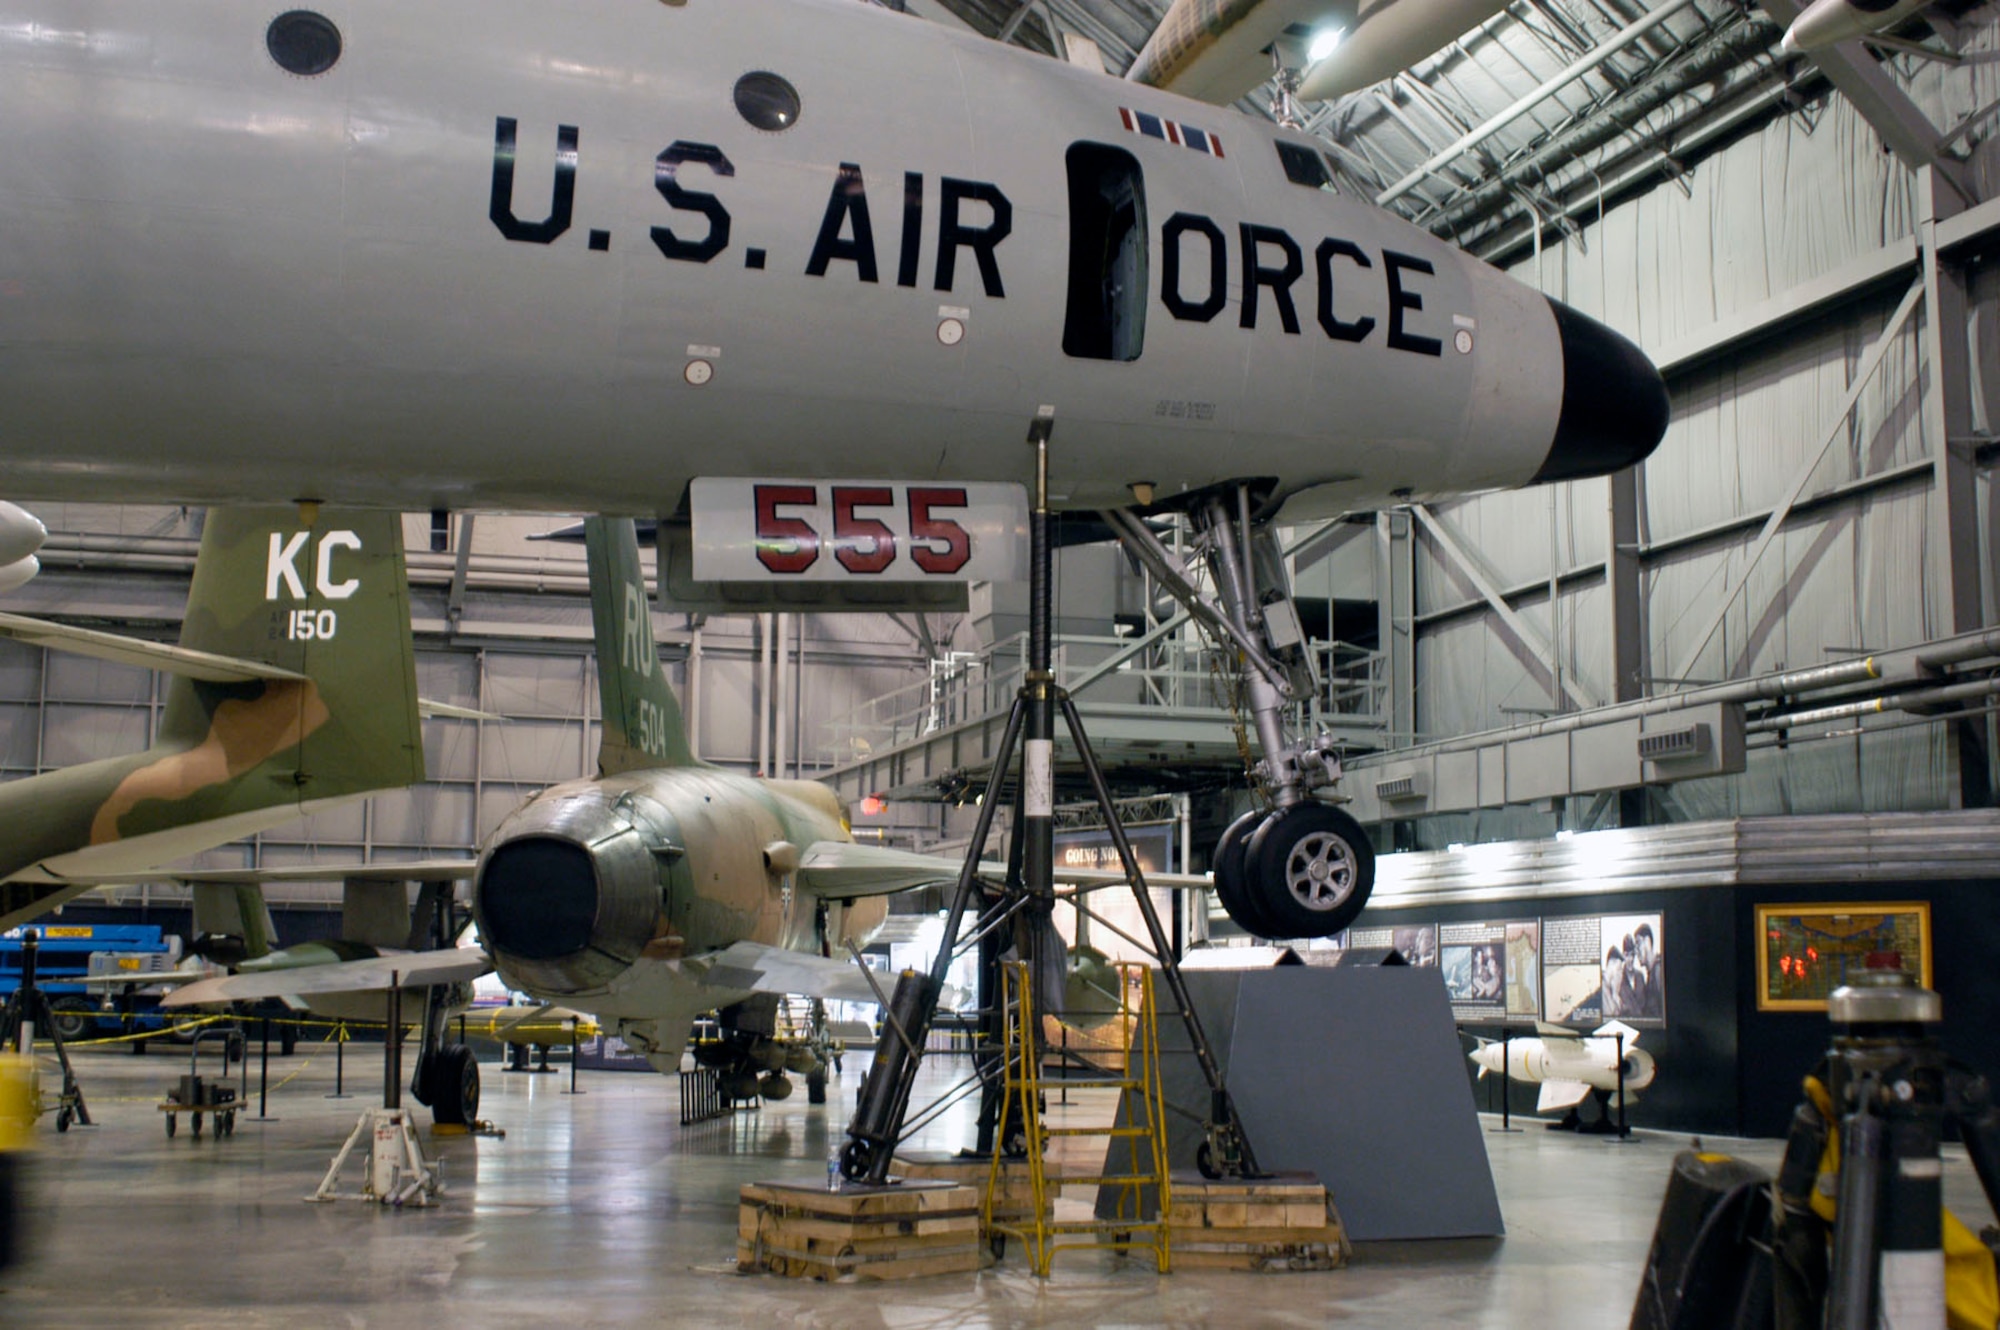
(511, 253)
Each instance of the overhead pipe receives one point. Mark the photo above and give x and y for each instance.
(1715, 58)
(1906, 701)
(1786, 684)
(1528, 101)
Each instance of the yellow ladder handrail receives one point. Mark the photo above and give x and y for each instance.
(1140, 1084)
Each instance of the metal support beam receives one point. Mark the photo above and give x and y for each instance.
(1862, 374)
(1323, 542)
(1522, 105)
(1905, 129)
(461, 567)
(1628, 638)
(1893, 264)
(1952, 531)
(1628, 635)
(1563, 683)
(1396, 611)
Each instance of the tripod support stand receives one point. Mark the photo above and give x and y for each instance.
(877, 1125)
(1890, 1092)
(26, 1015)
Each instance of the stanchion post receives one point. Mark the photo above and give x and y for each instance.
(339, 1061)
(264, 1068)
(574, 1031)
(392, 1054)
(1624, 1127)
(1506, 1126)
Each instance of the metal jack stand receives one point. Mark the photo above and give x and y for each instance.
(398, 1173)
(1891, 1091)
(27, 1014)
(878, 1123)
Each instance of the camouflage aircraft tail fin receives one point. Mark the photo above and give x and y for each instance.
(294, 683)
(642, 720)
(326, 596)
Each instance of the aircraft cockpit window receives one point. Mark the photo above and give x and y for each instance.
(767, 101)
(1303, 166)
(1107, 254)
(302, 42)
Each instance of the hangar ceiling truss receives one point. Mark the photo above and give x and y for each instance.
(1531, 125)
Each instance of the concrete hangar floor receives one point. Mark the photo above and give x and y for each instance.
(602, 1210)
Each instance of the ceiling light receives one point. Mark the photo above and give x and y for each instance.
(1323, 43)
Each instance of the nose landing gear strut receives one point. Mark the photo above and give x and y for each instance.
(1300, 867)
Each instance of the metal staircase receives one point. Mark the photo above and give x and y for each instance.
(1128, 1228)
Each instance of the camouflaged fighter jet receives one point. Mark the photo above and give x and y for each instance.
(293, 687)
(818, 258)
(657, 890)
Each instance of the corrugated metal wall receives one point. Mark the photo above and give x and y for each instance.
(1849, 572)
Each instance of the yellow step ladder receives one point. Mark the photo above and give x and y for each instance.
(1144, 1137)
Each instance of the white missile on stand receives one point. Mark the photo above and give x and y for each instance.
(1568, 1066)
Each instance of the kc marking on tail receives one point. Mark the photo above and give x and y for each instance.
(282, 568)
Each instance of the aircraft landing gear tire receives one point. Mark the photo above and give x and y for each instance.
(1204, 1162)
(70, 1018)
(171, 1128)
(1309, 870)
(454, 1086)
(815, 1087)
(1232, 886)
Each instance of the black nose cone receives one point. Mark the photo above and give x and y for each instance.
(1614, 404)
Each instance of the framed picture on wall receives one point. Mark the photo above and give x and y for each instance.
(1804, 952)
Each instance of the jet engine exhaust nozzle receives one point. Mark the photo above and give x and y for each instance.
(568, 896)
(1614, 402)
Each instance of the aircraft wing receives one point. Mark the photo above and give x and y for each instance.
(429, 709)
(764, 969)
(844, 868)
(140, 979)
(409, 870)
(414, 969)
(1561, 1094)
(1106, 877)
(201, 665)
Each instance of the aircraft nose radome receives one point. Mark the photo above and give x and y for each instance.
(1614, 402)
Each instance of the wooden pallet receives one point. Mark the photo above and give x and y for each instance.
(897, 1232)
(1017, 1191)
(1270, 1225)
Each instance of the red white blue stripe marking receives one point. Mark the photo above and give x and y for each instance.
(1158, 127)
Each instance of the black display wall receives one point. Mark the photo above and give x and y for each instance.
(1779, 1047)
(1697, 1051)
(1724, 1066)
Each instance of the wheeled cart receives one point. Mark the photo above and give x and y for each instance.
(196, 1095)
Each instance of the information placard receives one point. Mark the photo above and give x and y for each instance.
(1597, 968)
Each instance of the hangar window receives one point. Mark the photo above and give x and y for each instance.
(302, 42)
(1107, 254)
(767, 101)
(1303, 166)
